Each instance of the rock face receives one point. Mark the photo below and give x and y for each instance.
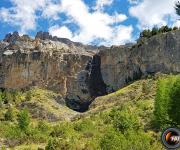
(66, 69)
(121, 65)
(78, 72)
(46, 36)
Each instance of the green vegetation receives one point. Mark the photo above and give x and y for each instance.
(177, 8)
(9, 115)
(124, 120)
(167, 102)
(149, 33)
(130, 118)
(23, 120)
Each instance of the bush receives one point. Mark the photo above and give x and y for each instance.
(58, 144)
(12, 132)
(62, 130)
(124, 120)
(146, 33)
(1, 99)
(8, 97)
(175, 28)
(167, 102)
(35, 136)
(23, 119)
(83, 125)
(43, 126)
(174, 95)
(149, 33)
(113, 140)
(18, 97)
(132, 139)
(28, 96)
(139, 140)
(9, 115)
(164, 29)
(154, 31)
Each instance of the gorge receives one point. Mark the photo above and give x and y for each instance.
(80, 73)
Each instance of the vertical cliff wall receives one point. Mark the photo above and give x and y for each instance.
(65, 68)
(122, 64)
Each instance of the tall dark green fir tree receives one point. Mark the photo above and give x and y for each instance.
(177, 7)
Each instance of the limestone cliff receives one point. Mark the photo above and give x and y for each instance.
(123, 64)
(79, 72)
(62, 67)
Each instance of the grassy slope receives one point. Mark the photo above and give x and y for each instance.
(87, 129)
(48, 105)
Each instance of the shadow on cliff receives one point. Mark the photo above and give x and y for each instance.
(95, 84)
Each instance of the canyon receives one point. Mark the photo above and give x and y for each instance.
(80, 73)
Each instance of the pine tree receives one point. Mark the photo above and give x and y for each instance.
(177, 7)
(23, 120)
(154, 31)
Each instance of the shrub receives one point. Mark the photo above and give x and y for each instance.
(8, 97)
(146, 33)
(28, 96)
(12, 132)
(149, 33)
(138, 140)
(132, 139)
(58, 144)
(164, 29)
(23, 119)
(124, 120)
(83, 125)
(175, 28)
(9, 115)
(1, 99)
(35, 136)
(154, 31)
(177, 8)
(167, 102)
(62, 130)
(145, 88)
(43, 126)
(18, 97)
(112, 140)
(174, 95)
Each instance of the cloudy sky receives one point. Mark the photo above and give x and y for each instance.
(98, 22)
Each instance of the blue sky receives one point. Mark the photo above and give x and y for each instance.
(99, 22)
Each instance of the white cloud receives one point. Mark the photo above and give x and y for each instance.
(51, 10)
(62, 32)
(123, 34)
(153, 12)
(95, 25)
(92, 26)
(22, 13)
(120, 17)
(133, 2)
(101, 3)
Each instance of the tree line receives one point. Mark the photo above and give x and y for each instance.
(149, 33)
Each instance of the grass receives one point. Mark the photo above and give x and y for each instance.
(99, 128)
(29, 147)
(45, 101)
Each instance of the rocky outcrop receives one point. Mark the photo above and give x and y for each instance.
(66, 69)
(123, 64)
(46, 36)
(10, 38)
(78, 72)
